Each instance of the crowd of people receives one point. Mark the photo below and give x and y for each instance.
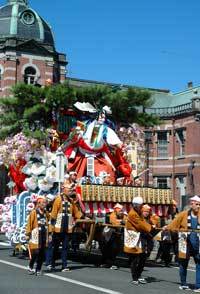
(50, 225)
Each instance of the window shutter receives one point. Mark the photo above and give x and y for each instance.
(168, 182)
(155, 182)
(90, 166)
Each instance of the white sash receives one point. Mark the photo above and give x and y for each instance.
(132, 239)
(182, 242)
(58, 221)
(35, 236)
(70, 222)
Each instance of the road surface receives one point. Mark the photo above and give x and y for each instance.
(84, 278)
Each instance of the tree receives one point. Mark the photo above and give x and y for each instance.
(21, 112)
(128, 105)
(30, 108)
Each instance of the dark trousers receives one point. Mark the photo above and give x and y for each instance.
(183, 264)
(60, 238)
(110, 250)
(137, 263)
(175, 250)
(49, 254)
(37, 256)
(108, 255)
(164, 252)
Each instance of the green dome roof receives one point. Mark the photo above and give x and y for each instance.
(18, 20)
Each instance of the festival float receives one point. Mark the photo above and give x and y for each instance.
(108, 160)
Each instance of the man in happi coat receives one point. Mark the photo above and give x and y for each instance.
(111, 240)
(152, 219)
(134, 240)
(188, 241)
(38, 232)
(64, 213)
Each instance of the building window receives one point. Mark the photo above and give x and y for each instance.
(181, 184)
(30, 75)
(180, 135)
(28, 18)
(162, 182)
(162, 145)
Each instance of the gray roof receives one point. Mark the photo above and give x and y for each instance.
(18, 20)
(170, 99)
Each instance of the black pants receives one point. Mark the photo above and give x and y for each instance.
(38, 257)
(110, 250)
(164, 252)
(137, 263)
(60, 238)
(108, 255)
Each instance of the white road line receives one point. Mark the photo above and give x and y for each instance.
(79, 283)
(104, 290)
(13, 264)
(4, 244)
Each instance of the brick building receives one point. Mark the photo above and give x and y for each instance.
(173, 147)
(27, 48)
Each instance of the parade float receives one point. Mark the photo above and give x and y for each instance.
(107, 159)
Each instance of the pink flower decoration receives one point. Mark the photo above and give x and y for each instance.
(34, 198)
(4, 228)
(30, 207)
(7, 200)
(13, 199)
(6, 208)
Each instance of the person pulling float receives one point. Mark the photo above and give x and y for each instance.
(38, 234)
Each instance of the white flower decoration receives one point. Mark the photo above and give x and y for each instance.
(31, 183)
(44, 185)
(51, 174)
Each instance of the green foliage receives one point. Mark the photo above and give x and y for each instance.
(59, 96)
(147, 120)
(96, 95)
(30, 109)
(127, 104)
(22, 111)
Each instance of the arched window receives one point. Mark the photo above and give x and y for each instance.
(30, 75)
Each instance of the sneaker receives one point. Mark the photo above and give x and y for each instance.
(197, 290)
(66, 269)
(114, 267)
(135, 282)
(38, 273)
(49, 268)
(142, 280)
(185, 287)
(104, 265)
(31, 271)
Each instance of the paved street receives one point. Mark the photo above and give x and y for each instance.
(84, 277)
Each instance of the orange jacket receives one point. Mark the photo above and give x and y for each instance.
(32, 229)
(57, 215)
(136, 222)
(180, 222)
(114, 220)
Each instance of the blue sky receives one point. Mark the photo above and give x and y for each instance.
(152, 43)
